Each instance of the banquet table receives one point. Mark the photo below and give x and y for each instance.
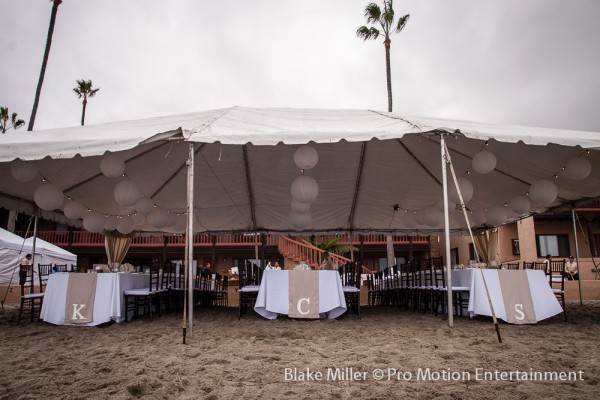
(108, 302)
(545, 303)
(273, 295)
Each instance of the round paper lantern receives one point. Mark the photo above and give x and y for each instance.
(305, 189)
(578, 168)
(125, 225)
(158, 218)
(440, 205)
(520, 204)
(48, 197)
(466, 189)
(306, 157)
(477, 218)
(171, 219)
(144, 205)
(180, 224)
(299, 207)
(484, 162)
(112, 165)
(496, 215)
(127, 193)
(138, 219)
(111, 223)
(407, 220)
(73, 210)
(23, 171)
(300, 221)
(543, 192)
(433, 216)
(94, 222)
(419, 217)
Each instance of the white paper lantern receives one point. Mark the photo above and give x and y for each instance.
(180, 224)
(433, 216)
(496, 215)
(466, 189)
(305, 189)
(112, 165)
(477, 218)
(144, 205)
(543, 192)
(125, 225)
(300, 221)
(484, 162)
(171, 219)
(23, 171)
(138, 219)
(306, 157)
(407, 220)
(299, 207)
(94, 222)
(578, 168)
(419, 217)
(440, 205)
(158, 218)
(111, 223)
(520, 204)
(73, 210)
(48, 197)
(127, 193)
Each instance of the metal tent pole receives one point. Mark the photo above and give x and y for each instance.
(190, 237)
(577, 257)
(447, 233)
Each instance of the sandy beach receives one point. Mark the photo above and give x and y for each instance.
(255, 358)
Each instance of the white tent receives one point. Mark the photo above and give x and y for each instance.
(369, 162)
(13, 249)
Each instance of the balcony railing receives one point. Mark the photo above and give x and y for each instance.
(85, 238)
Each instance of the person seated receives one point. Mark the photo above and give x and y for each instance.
(327, 264)
(571, 269)
(206, 270)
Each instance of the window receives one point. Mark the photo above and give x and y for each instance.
(472, 253)
(555, 245)
(516, 249)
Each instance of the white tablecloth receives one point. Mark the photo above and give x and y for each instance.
(544, 301)
(273, 295)
(108, 303)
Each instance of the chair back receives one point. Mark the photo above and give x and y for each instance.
(44, 271)
(61, 267)
(26, 281)
(224, 283)
(250, 274)
(528, 265)
(155, 277)
(439, 276)
(556, 275)
(168, 273)
(350, 274)
(512, 266)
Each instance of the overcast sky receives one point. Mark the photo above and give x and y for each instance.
(524, 62)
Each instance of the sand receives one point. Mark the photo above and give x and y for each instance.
(227, 358)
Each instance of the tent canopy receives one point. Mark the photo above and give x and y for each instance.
(369, 162)
(11, 254)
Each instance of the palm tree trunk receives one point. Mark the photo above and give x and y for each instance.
(388, 71)
(38, 91)
(83, 111)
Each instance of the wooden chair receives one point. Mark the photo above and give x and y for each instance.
(250, 276)
(556, 279)
(512, 266)
(145, 298)
(44, 271)
(222, 294)
(62, 267)
(29, 299)
(529, 265)
(460, 294)
(350, 274)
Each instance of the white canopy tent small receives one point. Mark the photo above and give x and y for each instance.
(13, 249)
(376, 171)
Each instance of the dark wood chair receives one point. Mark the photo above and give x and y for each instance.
(146, 298)
(511, 266)
(30, 300)
(556, 279)
(460, 294)
(529, 265)
(250, 276)
(222, 295)
(62, 267)
(44, 271)
(351, 274)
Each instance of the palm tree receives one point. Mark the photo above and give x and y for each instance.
(84, 89)
(7, 122)
(331, 245)
(385, 19)
(38, 91)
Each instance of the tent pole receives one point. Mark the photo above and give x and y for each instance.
(577, 257)
(35, 226)
(447, 233)
(190, 238)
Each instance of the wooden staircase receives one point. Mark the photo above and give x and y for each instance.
(298, 251)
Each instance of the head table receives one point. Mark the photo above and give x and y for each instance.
(274, 295)
(108, 299)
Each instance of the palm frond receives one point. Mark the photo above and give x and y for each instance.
(366, 33)
(16, 123)
(402, 22)
(342, 249)
(372, 13)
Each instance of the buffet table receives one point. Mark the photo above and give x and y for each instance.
(108, 300)
(274, 294)
(543, 301)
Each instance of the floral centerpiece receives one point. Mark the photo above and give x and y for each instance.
(127, 268)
